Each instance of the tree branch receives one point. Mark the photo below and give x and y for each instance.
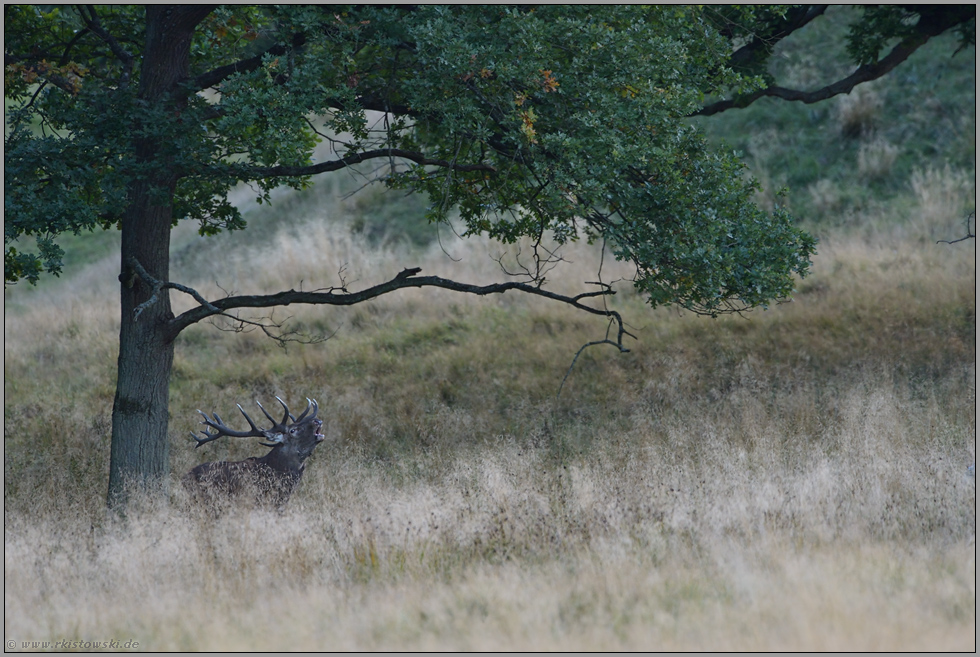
(356, 158)
(579, 353)
(218, 75)
(969, 233)
(796, 18)
(367, 101)
(274, 330)
(94, 25)
(157, 285)
(408, 278)
(864, 73)
(926, 29)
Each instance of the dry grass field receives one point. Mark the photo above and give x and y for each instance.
(790, 480)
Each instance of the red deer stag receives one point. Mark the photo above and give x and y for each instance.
(272, 478)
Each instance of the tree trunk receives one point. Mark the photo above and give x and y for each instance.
(140, 453)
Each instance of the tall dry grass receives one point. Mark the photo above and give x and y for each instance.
(761, 520)
(793, 480)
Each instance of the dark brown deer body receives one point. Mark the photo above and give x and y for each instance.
(268, 480)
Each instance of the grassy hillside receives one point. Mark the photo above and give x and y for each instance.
(857, 153)
(794, 479)
(791, 480)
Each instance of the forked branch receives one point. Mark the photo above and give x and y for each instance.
(408, 278)
(972, 218)
(156, 286)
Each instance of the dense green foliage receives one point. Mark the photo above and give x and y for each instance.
(559, 119)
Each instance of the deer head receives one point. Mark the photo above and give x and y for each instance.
(272, 477)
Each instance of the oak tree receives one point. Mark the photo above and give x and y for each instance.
(566, 121)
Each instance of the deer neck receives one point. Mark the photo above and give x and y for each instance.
(283, 462)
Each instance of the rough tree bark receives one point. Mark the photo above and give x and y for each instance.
(140, 448)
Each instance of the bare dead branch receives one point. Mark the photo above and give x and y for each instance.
(543, 261)
(341, 296)
(964, 238)
(579, 353)
(618, 343)
(273, 329)
(157, 286)
(969, 234)
(408, 278)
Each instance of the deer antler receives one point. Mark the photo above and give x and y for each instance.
(309, 404)
(273, 434)
(277, 426)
